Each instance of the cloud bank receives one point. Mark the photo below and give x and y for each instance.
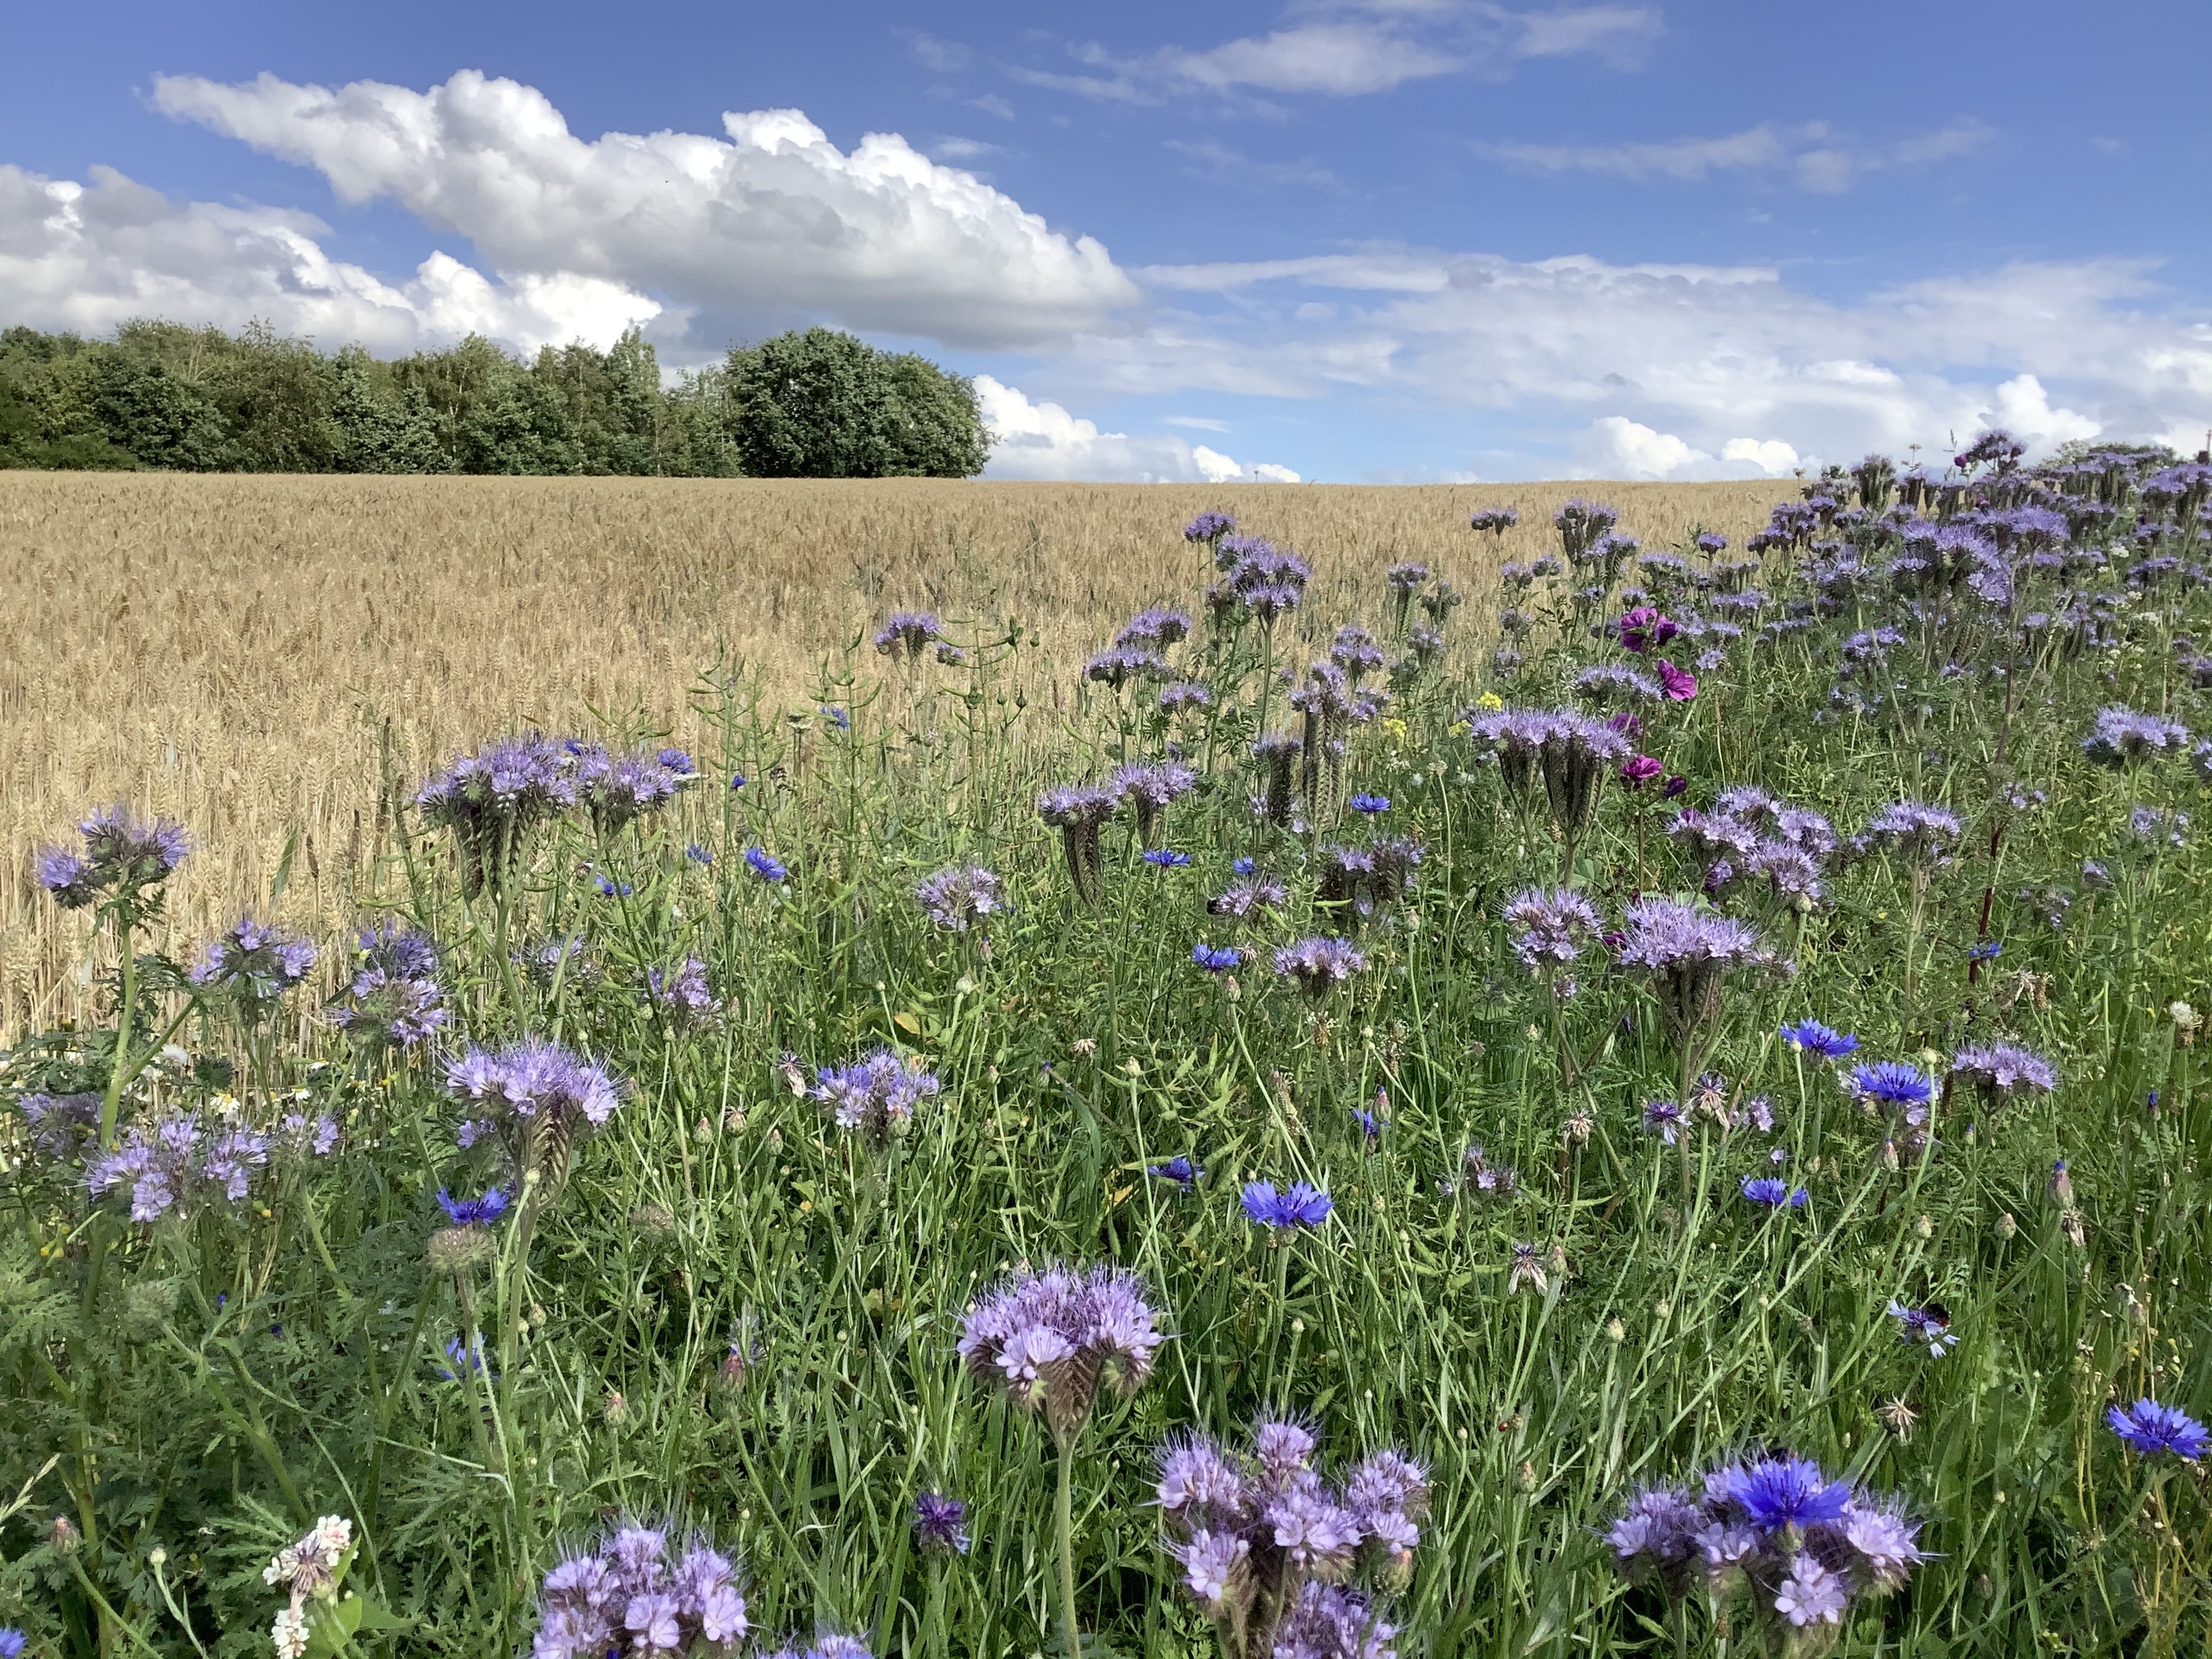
(772, 217)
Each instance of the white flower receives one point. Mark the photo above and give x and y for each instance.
(280, 1569)
(290, 1634)
(333, 1537)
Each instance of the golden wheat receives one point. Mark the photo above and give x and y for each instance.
(233, 651)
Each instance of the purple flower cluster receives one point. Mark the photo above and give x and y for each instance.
(536, 1098)
(1688, 954)
(1052, 1340)
(254, 964)
(177, 1163)
(1156, 627)
(1269, 1549)
(1209, 527)
(2124, 736)
(633, 1591)
(1552, 927)
(1495, 519)
(681, 996)
(492, 800)
(873, 1097)
(394, 1000)
(958, 897)
(2001, 1071)
(911, 631)
(1078, 810)
(123, 856)
(1318, 964)
(940, 1524)
(1261, 579)
(1918, 833)
(620, 789)
(64, 1128)
(1150, 788)
(1800, 1546)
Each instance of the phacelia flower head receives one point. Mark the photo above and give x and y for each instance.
(1552, 926)
(619, 789)
(1150, 788)
(874, 1098)
(642, 1589)
(1495, 519)
(2124, 736)
(394, 1000)
(958, 897)
(176, 1165)
(681, 995)
(1184, 695)
(2156, 1431)
(1299, 1205)
(1916, 833)
(1318, 964)
(1688, 954)
(536, 1097)
(253, 965)
(1052, 1339)
(123, 856)
(2001, 1072)
(1209, 527)
(493, 800)
(911, 631)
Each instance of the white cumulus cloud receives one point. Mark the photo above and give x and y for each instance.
(1040, 440)
(88, 255)
(771, 218)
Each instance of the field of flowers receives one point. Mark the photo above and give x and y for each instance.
(1652, 1111)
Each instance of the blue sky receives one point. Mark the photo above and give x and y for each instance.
(1398, 239)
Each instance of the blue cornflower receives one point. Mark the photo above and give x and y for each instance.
(11, 1643)
(1774, 1192)
(461, 1356)
(1370, 803)
(1299, 1205)
(1245, 866)
(2151, 1428)
(1166, 859)
(1370, 1125)
(838, 719)
(1930, 1325)
(736, 779)
(699, 854)
(1821, 1041)
(1178, 1169)
(1775, 1493)
(1216, 959)
(473, 1212)
(766, 868)
(609, 888)
(1988, 950)
(1892, 1082)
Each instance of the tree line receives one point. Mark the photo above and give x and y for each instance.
(813, 404)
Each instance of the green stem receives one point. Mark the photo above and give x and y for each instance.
(111, 1105)
(1064, 1529)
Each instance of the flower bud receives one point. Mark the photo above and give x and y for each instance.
(456, 1250)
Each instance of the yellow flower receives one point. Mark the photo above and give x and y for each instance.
(1489, 701)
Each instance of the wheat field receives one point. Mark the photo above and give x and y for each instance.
(238, 652)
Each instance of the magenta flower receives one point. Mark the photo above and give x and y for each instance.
(1678, 685)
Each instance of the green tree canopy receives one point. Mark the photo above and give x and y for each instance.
(822, 404)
